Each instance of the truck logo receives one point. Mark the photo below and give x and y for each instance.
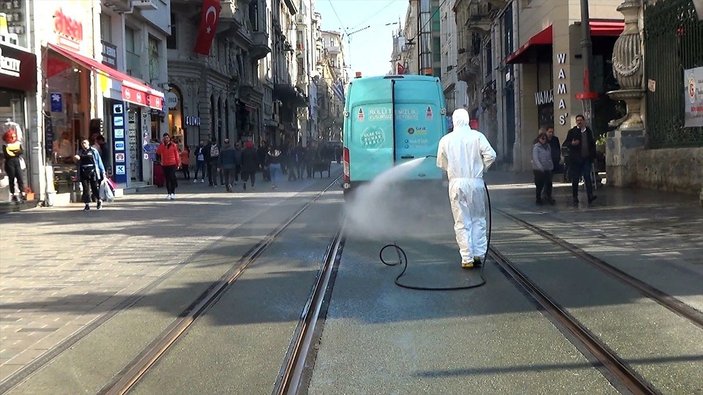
(428, 113)
(360, 115)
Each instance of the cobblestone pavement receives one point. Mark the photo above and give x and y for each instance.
(60, 253)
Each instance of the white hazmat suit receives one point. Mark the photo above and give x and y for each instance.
(464, 154)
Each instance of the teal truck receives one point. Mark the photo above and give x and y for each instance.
(389, 120)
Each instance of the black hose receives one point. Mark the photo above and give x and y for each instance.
(403, 259)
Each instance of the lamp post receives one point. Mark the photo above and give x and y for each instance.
(587, 96)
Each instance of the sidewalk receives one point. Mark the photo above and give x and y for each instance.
(64, 271)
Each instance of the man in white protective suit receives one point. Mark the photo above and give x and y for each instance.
(464, 154)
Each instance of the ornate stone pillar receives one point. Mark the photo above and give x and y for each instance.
(628, 68)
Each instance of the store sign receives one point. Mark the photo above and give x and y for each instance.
(693, 103)
(192, 121)
(544, 97)
(109, 54)
(69, 31)
(18, 69)
(171, 100)
(562, 83)
(142, 98)
(118, 114)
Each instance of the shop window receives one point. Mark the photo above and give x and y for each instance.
(132, 51)
(154, 64)
(106, 28)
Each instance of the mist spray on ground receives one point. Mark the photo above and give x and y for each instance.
(386, 208)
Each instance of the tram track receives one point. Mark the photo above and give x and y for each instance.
(134, 371)
(673, 304)
(615, 369)
(292, 372)
(621, 375)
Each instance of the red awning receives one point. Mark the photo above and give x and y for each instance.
(599, 28)
(606, 28)
(133, 90)
(542, 38)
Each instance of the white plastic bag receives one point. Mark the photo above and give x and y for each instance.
(106, 194)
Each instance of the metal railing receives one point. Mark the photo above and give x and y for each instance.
(673, 43)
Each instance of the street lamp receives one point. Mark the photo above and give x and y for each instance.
(587, 96)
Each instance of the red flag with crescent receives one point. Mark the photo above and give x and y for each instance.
(209, 16)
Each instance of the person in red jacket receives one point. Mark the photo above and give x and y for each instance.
(170, 162)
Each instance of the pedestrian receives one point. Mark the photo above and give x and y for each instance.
(274, 157)
(212, 159)
(91, 172)
(12, 151)
(582, 152)
(542, 167)
(237, 162)
(228, 163)
(199, 162)
(465, 154)
(170, 162)
(261, 154)
(555, 147)
(250, 164)
(185, 162)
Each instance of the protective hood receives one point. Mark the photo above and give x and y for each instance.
(460, 118)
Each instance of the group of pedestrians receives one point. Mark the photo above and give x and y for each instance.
(580, 144)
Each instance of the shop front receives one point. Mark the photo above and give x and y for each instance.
(18, 79)
(126, 126)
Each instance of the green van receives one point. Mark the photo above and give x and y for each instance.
(389, 120)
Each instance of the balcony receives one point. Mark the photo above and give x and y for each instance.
(480, 15)
(468, 68)
(260, 45)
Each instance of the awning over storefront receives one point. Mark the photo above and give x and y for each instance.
(133, 90)
(599, 28)
(543, 38)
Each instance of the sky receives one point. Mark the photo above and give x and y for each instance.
(368, 50)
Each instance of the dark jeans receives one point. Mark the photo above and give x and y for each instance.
(212, 172)
(229, 174)
(200, 166)
(90, 188)
(170, 176)
(14, 172)
(543, 184)
(186, 171)
(578, 170)
(249, 176)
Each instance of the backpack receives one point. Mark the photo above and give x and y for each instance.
(214, 151)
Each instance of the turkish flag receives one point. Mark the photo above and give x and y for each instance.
(400, 68)
(209, 15)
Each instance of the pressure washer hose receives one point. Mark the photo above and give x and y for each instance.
(403, 258)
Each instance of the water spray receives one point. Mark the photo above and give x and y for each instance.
(403, 258)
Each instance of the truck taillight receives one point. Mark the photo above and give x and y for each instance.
(345, 163)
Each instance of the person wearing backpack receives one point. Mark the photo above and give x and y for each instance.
(212, 159)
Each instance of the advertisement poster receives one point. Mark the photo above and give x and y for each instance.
(693, 99)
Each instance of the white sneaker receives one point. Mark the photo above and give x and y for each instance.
(195, 180)
(202, 180)
(168, 197)
(173, 196)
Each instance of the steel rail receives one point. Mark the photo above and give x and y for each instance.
(671, 303)
(621, 374)
(136, 369)
(293, 368)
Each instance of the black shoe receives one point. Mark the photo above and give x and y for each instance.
(87, 207)
(100, 204)
(592, 198)
(477, 262)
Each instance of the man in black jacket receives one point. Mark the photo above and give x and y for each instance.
(582, 152)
